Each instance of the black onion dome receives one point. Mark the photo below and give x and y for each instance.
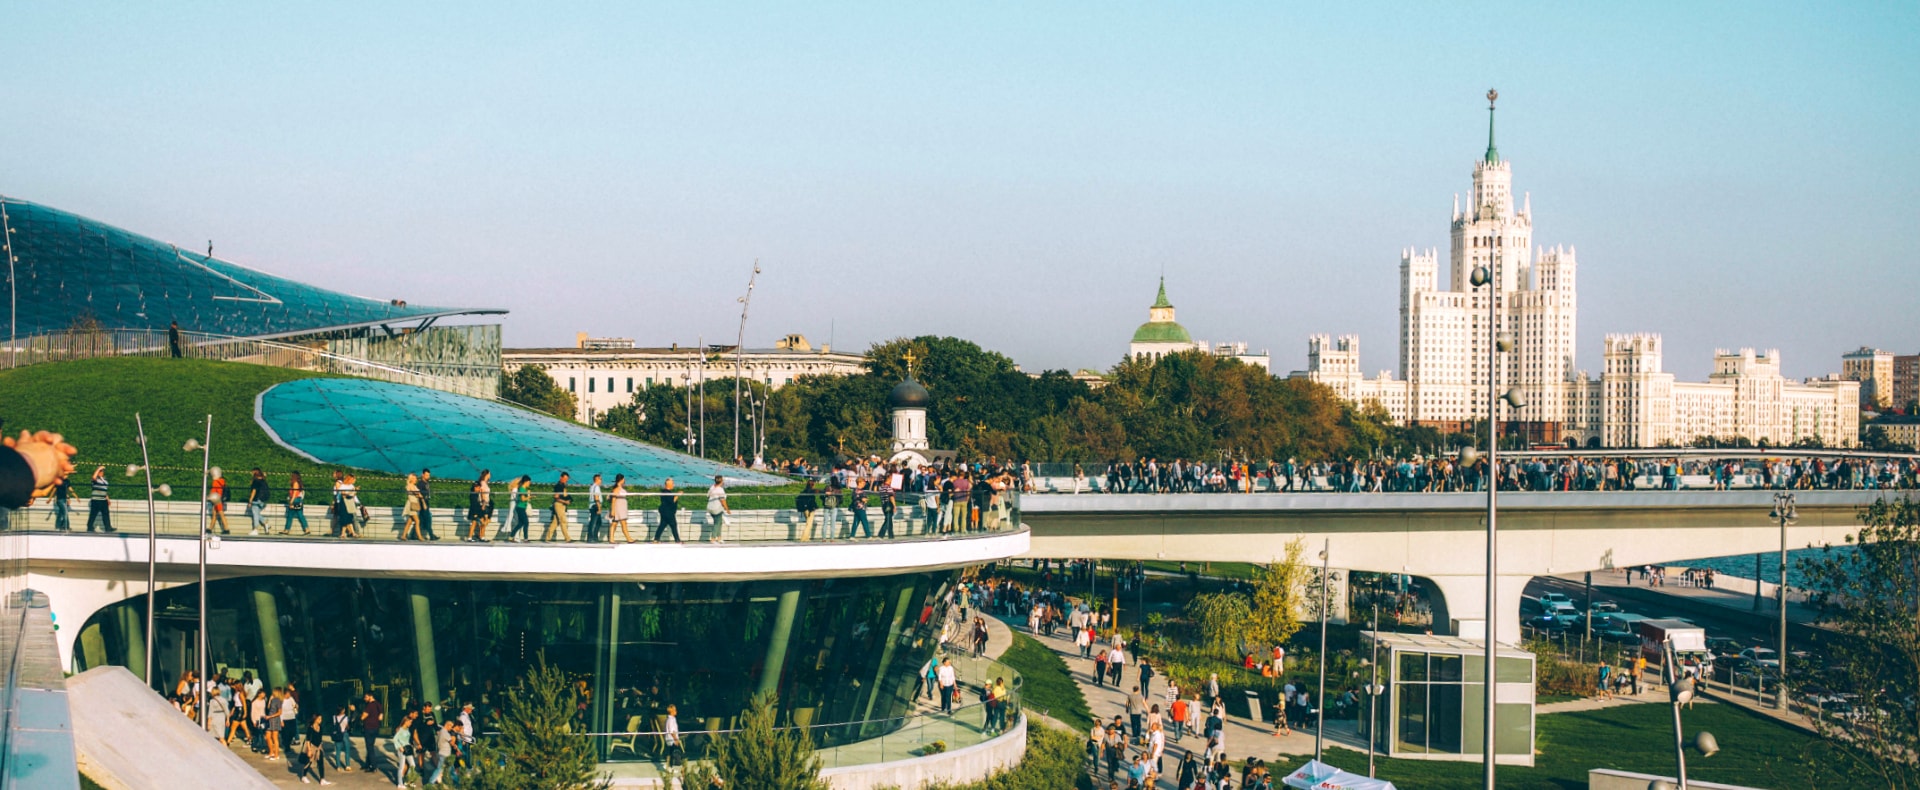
(909, 395)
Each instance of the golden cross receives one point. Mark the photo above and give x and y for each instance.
(910, 358)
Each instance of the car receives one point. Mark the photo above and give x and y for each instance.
(1603, 607)
(1722, 647)
(1763, 656)
(1618, 633)
(1549, 599)
(1548, 622)
(1564, 611)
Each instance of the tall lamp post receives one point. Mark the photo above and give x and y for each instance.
(1784, 512)
(739, 351)
(1320, 697)
(1499, 342)
(1373, 691)
(152, 543)
(13, 289)
(200, 639)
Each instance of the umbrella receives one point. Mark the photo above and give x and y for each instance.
(1316, 775)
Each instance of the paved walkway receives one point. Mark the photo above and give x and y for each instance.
(1244, 737)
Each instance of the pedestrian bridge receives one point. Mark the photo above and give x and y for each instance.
(1440, 536)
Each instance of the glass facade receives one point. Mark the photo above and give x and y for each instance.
(398, 428)
(838, 651)
(1436, 693)
(73, 270)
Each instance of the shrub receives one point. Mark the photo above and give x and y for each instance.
(758, 757)
(534, 750)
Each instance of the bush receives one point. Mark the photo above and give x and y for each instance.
(534, 750)
(758, 757)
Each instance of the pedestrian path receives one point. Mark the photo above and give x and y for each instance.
(1243, 737)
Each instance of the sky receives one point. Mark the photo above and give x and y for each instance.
(1018, 174)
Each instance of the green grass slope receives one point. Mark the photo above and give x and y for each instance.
(93, 402)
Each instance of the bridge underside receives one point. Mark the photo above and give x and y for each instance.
(1439, 536)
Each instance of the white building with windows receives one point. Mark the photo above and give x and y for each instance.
(1443, 351)
(1443, 332)
(605, 372)
(1635, 403)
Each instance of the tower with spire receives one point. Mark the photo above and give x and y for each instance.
(1443, 333)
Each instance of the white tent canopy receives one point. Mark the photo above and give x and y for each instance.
(1316, 775)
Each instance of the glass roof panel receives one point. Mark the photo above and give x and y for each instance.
(71, 268)
(398, 428)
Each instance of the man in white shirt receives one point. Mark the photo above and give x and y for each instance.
(947, 687)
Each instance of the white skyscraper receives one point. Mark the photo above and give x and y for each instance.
(1443, 335)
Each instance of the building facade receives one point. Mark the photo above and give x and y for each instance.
(1635, 403)
(605, 372)
(1906, 380)
(1531, 298)
(1162, 335)
(1873, 368)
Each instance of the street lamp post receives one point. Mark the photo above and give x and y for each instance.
(1499, 342)
(152, 541)
(739, 352)
(1784, 512)
(200, 639)
(1373, 691)
(1320, 698)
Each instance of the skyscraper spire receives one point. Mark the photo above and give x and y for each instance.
(1493, 153)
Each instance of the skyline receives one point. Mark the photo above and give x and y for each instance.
(1017, 177)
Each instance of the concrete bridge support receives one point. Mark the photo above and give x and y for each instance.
(1460, 606)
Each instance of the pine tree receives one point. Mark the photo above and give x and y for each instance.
(535, 749)
(758, 757)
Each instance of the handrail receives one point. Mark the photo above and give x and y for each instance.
(13, 677)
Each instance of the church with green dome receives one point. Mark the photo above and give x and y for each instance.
(1162, 335)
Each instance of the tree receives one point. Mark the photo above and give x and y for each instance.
(1865, 591)
(1222, 620)
(530, 386)
(534, 748)
(1280, 595)
(758, 757)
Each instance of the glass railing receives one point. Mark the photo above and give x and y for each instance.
(911, 520)
(927, 731)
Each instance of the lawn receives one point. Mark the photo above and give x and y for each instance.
(1754, 751)
(92, 403)
(1046, 685)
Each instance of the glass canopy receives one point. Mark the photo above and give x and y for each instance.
(399, 428)
(72, 272)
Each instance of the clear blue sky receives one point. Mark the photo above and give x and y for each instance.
(1733, 174)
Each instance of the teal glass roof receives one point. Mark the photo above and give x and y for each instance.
(398, 428)
(71, 268)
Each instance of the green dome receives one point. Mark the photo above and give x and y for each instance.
(1161, 332)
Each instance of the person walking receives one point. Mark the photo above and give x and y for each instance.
(443, 740)
(887, 506)
(520, 493)
(313, 759)
(217, 502)
(558, 522)
(403, 748)
(807, 503)
(273, 723)
(257, 503)
(411, 524)
(1136, 712)
(217, 712)
(98, 506)
(619, 509)
(947, 679)
(426, 505)
(669, 509)
(860, 524)
(596, 502)
(717, 509)
(296, 507)
(480, 507)
(342, 754)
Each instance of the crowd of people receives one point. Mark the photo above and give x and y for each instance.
(428, 744)
(1441, 473)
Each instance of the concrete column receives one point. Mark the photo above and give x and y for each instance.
(776, 658)
(272, 651)
(133, 629)
(606, 661)
(1462, 601)
(423, 645)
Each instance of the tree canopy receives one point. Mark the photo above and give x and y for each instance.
(1192, 405)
